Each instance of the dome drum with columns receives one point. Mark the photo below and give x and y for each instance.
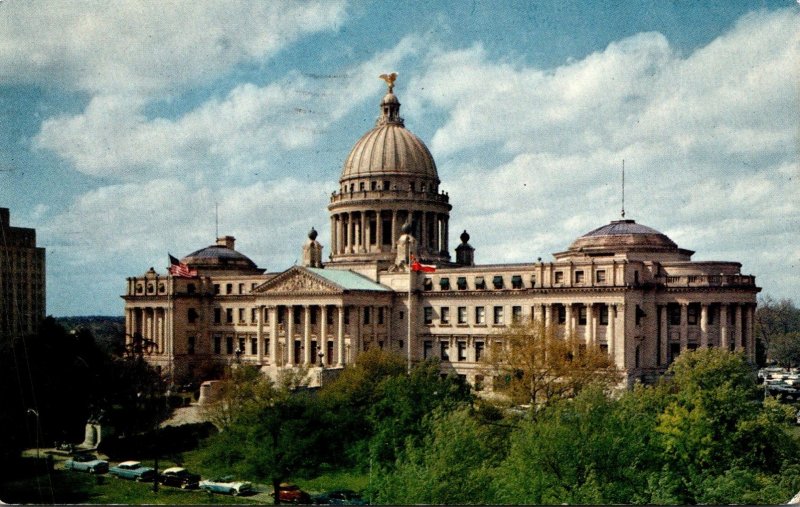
(625, 288)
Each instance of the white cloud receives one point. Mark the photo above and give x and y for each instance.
(148, 47)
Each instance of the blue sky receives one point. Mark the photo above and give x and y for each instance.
(124, 123)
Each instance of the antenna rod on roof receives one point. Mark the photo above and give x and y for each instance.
(216, 220)
(623, 188)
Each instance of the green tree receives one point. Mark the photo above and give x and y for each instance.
(537, 366)
(785, 349)
(451, 465)
(775, 318)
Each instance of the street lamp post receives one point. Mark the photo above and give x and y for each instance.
(34, 412)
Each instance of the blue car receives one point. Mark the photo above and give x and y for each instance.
(227, 486)
(87, 463)
(132, 470)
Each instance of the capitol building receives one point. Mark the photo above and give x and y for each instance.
(623, 287)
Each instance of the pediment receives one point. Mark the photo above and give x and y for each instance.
(297, 281)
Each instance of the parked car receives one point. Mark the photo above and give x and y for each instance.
(132, 470)
(290, 493)
(179, 477)
(87, 463)
(339, 497)
(227, 485)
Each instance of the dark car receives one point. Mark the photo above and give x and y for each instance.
(290, 493)
(339, 497)
(179, 477)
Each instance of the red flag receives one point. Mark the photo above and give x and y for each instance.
(425, 268)
(177, 268)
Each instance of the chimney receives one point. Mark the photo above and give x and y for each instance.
(226, 241)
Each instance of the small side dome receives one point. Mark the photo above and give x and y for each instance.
(622, 235)
(221, 256)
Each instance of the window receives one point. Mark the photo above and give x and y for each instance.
(561, 311)
(603, 315)
(533, 281)
(266, 347)
(229, 344)
(444, 315)
(674, 312)
(373, 185)
(600, 276)
(217, 344)
(444, 283)
(579, 277)
(639, 315)
(386, 184)
(674, 351)
(478, 351)
(241, 288)
(480, 283)
(190, 345)
(241, 315)
(241, 346)
(229, 315)
(516, 313)
(462, 351)
(229, 288)
(516, 282)
(559, 277)
(461, 282)
(217, 315)
(710, 314)
(361, 186)
(444, 351)
(216, 288)
(480, 315)
(366, 314)
(582, 313)
(254, 346)
(191, 315)
(498, 315)
(427, 345)
(427, 284)
(478, 383)
(428, 313)
(191, 288)
(254, 315)
(380, 316)
(691, 315)
(281, 314)
(497, 281)
(462, 314)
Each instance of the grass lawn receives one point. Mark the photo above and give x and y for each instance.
(65, 487)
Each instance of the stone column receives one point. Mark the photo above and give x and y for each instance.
(684, 327)
(351, 232)
(362, 247)
(738, 326)
(290, 335)
(339, 234)
(306, 334)
(273, 336)
(260, 334)
(548, 315)
(128, 325)
(612, 331)
(587, 330)
(378, 230)
(723, 326)
(395, 230)
(340, 361)
(333, 233)
(323, 333)
(664, 335)
(751, 342)
(569, 324)
(704, 325)
(355, 331)
(593, 318)
(437, 234)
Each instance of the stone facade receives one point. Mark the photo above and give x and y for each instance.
(623, 287)
(22, 280)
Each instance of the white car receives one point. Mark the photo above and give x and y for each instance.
(227, 486)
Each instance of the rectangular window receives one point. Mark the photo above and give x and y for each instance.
(516, 313)
(229, 288)
(561, 310)
(461, 282)
(582, 314)
(639, 315)
(603, 315)
(674, 312)
(516, 281)
(691, 315)
(241, 315)
(444, 315)
(444, 283)
(497, 281)
(427, 284)
(579, 277)
(480, 283)
(380, 316)
(217, 344)
(428, 313)
(444, 351)
(711, 312)
(533, 280)
(216, 288)
(462, 351)
(254, 315)
(559, 277)
(478, 351)
(266, 347)
(217, 315)
(190, 345)
(366, 314)
(427, 345)
(462, 314)
(191, 315)
(498, 315)
(229, 315)
(254, 346)
(600, 276)
(480, 315)
(241, 346)
(281, 314)
(241, 288)
(229, 344)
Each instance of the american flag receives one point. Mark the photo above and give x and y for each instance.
(177, 268)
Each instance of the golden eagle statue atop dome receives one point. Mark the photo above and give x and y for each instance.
(389, 78)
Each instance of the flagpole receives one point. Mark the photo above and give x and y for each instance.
(410, 312)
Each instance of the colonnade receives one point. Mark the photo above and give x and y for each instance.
(151, 323)
(367, 231)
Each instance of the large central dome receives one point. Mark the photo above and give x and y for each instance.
(389, 149)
